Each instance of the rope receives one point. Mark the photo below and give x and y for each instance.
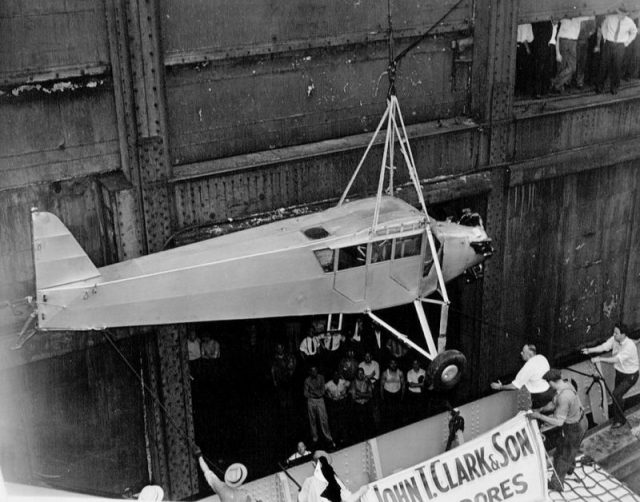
(553, 469)
(191, 445)
(596, 490)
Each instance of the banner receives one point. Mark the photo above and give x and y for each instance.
(506, 463)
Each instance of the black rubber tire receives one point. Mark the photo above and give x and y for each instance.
(442, 366)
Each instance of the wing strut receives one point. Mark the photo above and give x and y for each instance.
(395, 131)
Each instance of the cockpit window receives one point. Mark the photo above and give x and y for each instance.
(428, 259)
(381, 251)
(316, 233)
(352, 256)
(325, 258)
(408, 246)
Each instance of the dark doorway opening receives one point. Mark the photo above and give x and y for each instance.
(240, 416)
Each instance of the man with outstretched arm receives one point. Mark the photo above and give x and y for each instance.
(624, 357)
(530, 376)
(568, 414)
(228, 490)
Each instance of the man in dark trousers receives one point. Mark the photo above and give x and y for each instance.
(624, 357)
(568, 413)
(618, 31)
(318, 419)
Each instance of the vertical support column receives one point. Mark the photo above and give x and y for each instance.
(493, 81)
(493, 277)
(493, 71)
(138, 75)
(503, 67)
(170, 430)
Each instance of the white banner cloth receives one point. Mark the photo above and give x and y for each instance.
(505, 464)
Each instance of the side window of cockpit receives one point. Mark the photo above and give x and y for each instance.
(381, 251)
(325, 258)
(428, 259)
(408, 246)
(352, 256)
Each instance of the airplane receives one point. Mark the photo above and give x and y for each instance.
(358, 257)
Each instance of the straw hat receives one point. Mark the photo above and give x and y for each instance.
(151, 493)
(235, 475)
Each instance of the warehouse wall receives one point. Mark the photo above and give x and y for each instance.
(567, 265)
(135, 120)
(75, 422)
(45, 37)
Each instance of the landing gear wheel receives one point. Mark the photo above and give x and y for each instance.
(445, 371)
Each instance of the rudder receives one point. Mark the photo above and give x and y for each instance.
(59, 259)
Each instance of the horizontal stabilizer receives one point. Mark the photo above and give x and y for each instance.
(59, 259)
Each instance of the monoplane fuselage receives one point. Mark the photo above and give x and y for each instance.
(327, 262)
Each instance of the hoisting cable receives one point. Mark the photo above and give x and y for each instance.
(190, 444)
(393, 63)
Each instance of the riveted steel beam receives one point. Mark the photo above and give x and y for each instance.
(144, 216)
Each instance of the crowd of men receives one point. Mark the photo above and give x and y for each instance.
(553, 56)
(337, 388)
(373, 383)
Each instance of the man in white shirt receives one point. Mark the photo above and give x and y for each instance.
(335, 392)
(300, 453)
(618, 31)
(415, 401)
(371, 369)
(624, 357)
(309, 348)
(566, 52)
(531, 377)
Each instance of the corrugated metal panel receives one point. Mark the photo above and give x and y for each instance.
(316, 177)
(557, 9)
(245, 24)
(87, 430)
(228, 109)
(43, 35)
(566, 252)
(544, 134)
(46, 137)
(631, 299)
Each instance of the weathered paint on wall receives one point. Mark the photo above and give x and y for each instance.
(51, 36)
(301, 180)
(75, 421)
(562, 130)
(235, 25)
(57, 136)
(77, 203)
(223, 109)
(566, 259)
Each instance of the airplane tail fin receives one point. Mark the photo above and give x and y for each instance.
(58, 257)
